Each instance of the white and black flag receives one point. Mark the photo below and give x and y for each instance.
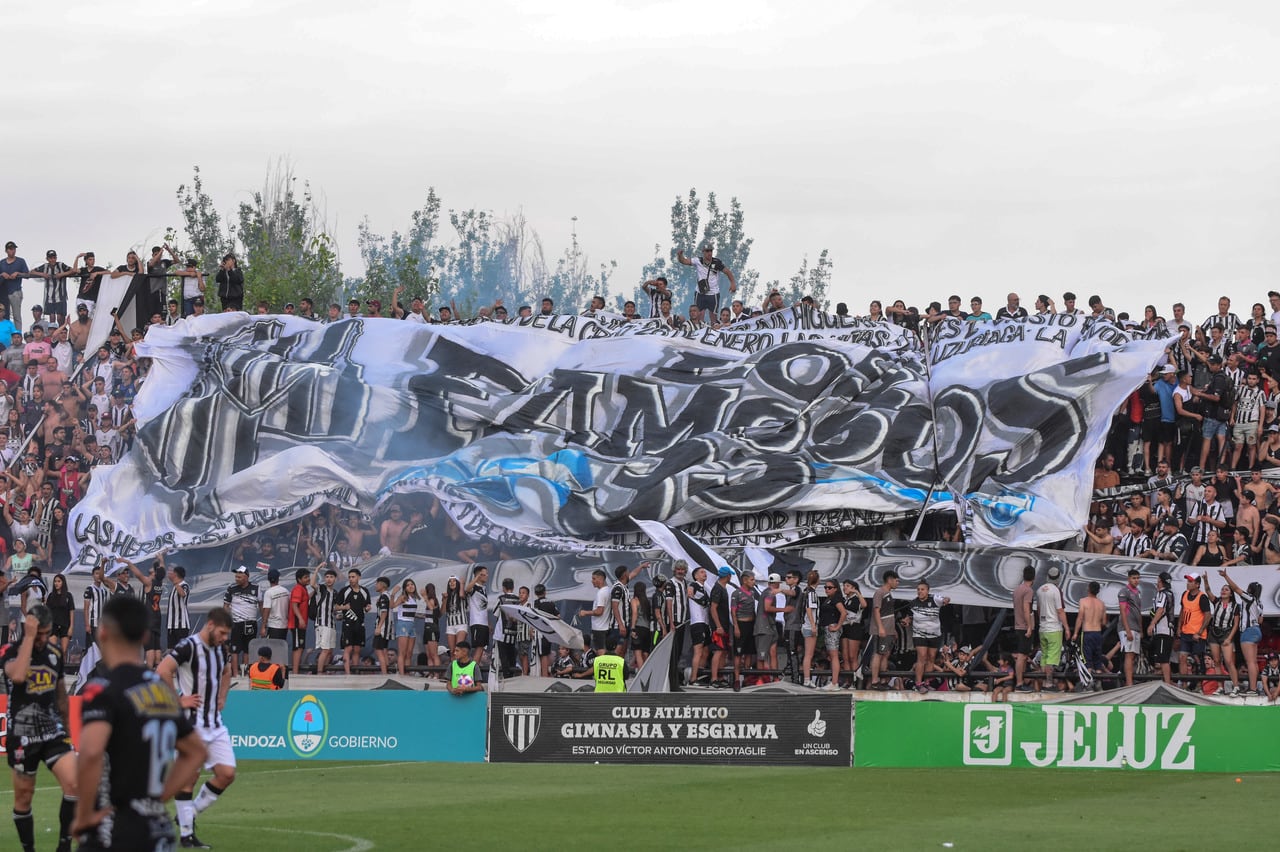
(556, 431)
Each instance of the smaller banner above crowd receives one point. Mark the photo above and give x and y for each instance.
(557, 431)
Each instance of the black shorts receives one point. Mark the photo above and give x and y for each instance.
(1149, 429)
(61, 630)
(352, 634)
(177, 634)
(242, 633)
(130, 831)
(431, 632)
(380, 643)
(543, 647)
(1165, 432)
(856, 632)
(1024, 644)
(744, 644)
(1161, 648)
(152, 642)
(700, 635)
(277, 633)
(927, 641)
(600, 639)
(26, 759)
(297, 639)
(479, 636)
(642, 639)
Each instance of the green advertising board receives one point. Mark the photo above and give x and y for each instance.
(1083, 736)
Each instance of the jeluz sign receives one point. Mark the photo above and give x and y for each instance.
(1068, 736)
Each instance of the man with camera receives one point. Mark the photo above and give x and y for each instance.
(708, 269)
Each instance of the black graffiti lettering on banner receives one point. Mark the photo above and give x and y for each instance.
(681, 727)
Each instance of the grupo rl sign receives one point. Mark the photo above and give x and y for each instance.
(1067, 736)
(670, 728)
(356, 725)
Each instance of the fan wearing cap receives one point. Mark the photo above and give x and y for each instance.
(373, 308)
(242, 600)
(55, 276)
(1164, 387)
(1217, 397)
(1053, 621)
(1194, 612)
(12, 270)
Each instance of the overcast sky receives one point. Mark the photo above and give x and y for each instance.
(1130, 149)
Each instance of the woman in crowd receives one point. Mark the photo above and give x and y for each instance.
(63, 607)
(852, 632)
(407, 605)
(430, 614)
(1223, 626)
(1250, 627)
(1211, 554)
(808, 599)
(831, 616)
(455, 613)
(641, 623)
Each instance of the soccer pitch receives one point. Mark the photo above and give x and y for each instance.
(327, 807)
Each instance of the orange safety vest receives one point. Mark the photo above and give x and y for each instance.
(263, 678)
(1193, 618)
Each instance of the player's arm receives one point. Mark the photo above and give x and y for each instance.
(224, 687)
(680, 258)
(133, 569)
(89, 765)
(191, 756)
(18, 668)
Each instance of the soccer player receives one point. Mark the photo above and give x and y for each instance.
(37, 732)
(199, 670)
(132, 724)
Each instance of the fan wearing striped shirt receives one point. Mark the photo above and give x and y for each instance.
(1246, 419)
(199, 670)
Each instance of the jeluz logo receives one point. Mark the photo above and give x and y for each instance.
(308, 725)
(988, 735)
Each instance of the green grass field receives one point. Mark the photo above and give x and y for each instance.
(326, 807)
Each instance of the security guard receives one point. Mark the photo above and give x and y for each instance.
(610, 673)
(265, 674)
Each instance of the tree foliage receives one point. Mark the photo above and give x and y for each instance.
(281, 237)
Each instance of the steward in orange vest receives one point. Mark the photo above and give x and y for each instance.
(265, 674)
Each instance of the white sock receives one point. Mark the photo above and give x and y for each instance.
(206, 797)
(186, 816)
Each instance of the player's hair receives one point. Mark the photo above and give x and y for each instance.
(126, 616)
(1094, 587)
(44, 615)
(599, 572)
(508, 584)
(219, 617)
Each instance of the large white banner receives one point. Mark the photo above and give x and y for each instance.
(558, 430)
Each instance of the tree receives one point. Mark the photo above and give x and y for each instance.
(203, 224)
(809, 281)
(724, 230)
(289, 250)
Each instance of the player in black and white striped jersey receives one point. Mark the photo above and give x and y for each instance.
(199, 670)
(95, 595)
(178, 616)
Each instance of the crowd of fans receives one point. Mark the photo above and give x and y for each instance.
(1208, 409)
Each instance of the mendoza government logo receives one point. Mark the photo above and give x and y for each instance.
(308, 725)
(1084, 737)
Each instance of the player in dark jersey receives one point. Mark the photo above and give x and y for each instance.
(37, 724)
(136, 743)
